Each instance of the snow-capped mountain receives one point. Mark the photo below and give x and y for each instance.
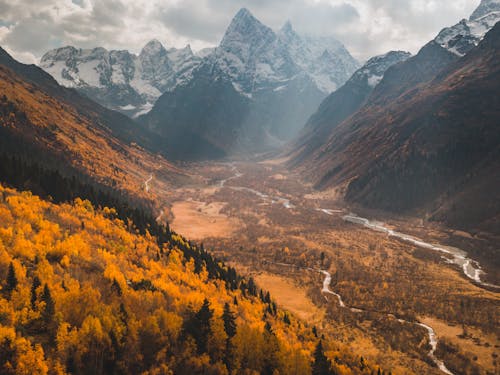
(255, 57)
(373, 71)
(121, 80)
(325, 59)
(276, 78)
(462, 37)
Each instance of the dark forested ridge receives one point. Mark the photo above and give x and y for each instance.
(430, 147)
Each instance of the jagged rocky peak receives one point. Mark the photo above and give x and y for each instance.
(486, 7)
(59, 53)
(153, 47)
(465, 35)
(287, 28)
(247, 29)
(373, 70)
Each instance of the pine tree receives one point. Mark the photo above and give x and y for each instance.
(34, 286)
(321, 365)
(49, 311)
(11, 279)
(199, 326)
(230, 329)
(286, 319)
(229, 321)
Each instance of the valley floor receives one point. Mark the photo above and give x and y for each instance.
(262, 219)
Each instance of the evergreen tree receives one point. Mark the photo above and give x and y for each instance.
(34, 286)
(49, 311)
(11, 280)
(199, 326)
(286, 319)
(230, 329)
(321, 364)
(229, 321)
(252, 288)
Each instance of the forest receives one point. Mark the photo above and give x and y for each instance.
(86, 290)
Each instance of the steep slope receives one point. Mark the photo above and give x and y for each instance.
(434, 149)
(121, 80)
(103, 299)
(278, 80)
(342, 103)
(448, 46)
(49, 124)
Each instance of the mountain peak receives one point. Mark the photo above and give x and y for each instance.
(485, 7)
(243, 13)
(154, 46)
(245, 27)
(287, 27)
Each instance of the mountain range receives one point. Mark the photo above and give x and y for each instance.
(272, 80)
(121, 80)
(426, 138)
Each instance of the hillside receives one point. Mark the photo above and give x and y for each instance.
(55, 126)
(342, 103)
(84, 292)
(433, 149)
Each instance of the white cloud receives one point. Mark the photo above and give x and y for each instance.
(29, 28)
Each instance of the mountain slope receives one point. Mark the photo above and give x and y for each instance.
(448, 46)
(278, 80)
(121, 80)
(434, 149)
(47, 123)
(342, 103)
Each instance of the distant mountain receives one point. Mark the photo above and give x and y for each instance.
(121, 80)
(342, 103)
(57, 128)
(253, 92)
(434, 149)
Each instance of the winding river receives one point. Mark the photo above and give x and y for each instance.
(433, 341)
(471, 268)
(325, 289)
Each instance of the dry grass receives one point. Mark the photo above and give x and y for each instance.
(290, 296)
(477, 343)
(199, 220)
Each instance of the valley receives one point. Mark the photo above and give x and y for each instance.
(259, 217)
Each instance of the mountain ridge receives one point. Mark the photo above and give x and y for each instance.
(274, 77)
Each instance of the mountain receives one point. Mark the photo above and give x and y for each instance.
(55, 127)
(121, 80)
(342, 103)
(433, 150)
(269, 82)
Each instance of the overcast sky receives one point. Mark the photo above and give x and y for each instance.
(28, 28)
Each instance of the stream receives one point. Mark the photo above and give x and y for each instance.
(470, 267)
(325, 289)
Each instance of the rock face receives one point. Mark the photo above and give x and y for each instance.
(426, 139)
(121, 80)
(465, 35)
(253, 92)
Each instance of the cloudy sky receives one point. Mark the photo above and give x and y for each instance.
(28, 28)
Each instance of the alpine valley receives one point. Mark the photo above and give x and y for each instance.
(267, 205)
